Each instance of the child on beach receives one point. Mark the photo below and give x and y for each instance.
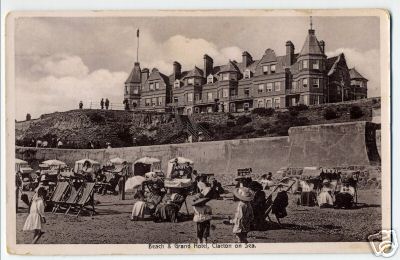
(202, 218)
(244, 214)
(36, 215)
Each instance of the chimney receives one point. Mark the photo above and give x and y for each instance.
(177, 69)
(145, 74)
(322, 45)
(208, 65)
(289, 53)
(246, 58)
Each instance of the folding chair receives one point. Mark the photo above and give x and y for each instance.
(86, 198)
(270, 201)
(72, 199)
(59, 194)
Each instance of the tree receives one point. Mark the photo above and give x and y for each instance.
(28, 117)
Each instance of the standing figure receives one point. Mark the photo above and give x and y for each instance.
(202, 217)
(80, 105)
(244, 214)
(107, 103)
(102, 103)
(122, 180)
(36, 215)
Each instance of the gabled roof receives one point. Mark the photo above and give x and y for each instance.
(196, 72)
(311, 45)
(230, 67)
(269, 56)
(135, 76)
(333, 62)
(155, 75)
(354, 74)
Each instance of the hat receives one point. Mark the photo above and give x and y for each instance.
(200, 201)
(244, 194)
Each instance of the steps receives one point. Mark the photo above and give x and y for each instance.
(191, 128)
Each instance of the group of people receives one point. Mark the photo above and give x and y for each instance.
(105, 103)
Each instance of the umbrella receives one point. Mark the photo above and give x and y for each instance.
(90, 160)
(19, 161)
(117, 160)
(181, 160)
(54, 163)
(134, 182)
(147, 160)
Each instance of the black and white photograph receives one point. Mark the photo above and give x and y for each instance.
(168, 131)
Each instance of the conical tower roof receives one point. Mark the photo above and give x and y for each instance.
(135, 76)
(311, 45)
(354, 74)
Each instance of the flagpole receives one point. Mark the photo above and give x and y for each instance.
(137, 46)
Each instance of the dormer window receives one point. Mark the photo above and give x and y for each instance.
(177, 84)
(225, 76)
(247, 74)
(273, 69)
(157, 85)
(265, 69)
(151, 86)
(190, 81)
(210, 79)
(305, 64)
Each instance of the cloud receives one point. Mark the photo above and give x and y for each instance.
(367, 63)
(187, 51)
(62, 87)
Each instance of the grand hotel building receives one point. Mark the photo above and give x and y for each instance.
(307, 77)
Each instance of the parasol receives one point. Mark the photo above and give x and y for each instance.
(133, 183)
(54, 163)
(148, 160)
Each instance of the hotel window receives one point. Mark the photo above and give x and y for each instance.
(246, 92)
(232, 92)
(246, 106)
(151, 86)
(210, 79)
(233, 76)
(190, 97)
(197, 82)
(273, 69)
(135, 90)
(225, 93)
(265, 69)
(147, 102)
(190, 81)
(305, 83)
(278, 86)
(225, 76)
(160, 101)
(209, 96)
(260, 88)
(260, 103)
(126, 89)
(305, 64)
(177, 83)
(153, 101)
(315, 65)
(157, 85)
(247, 74)
(209, 110)
(197, 97)
(315, 83)
(269, 103)
(269, 87)
(305, 100)
(277, 102)
(294, 85)
(175, 99)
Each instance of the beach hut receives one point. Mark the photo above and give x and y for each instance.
(22, 166)
(94, 164)
(55, 164)
(181, 163)
(145, 165)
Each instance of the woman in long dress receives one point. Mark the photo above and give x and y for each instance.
(325, 199)
(36, 215)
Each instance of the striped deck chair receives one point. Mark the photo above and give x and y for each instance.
(270, 200)
(59, 195)
(72, 199)
(85, 199)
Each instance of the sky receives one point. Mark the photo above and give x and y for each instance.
(60, 61)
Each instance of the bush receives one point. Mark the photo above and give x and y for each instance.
(261, 111)
(28, 117)
(230, 123)
(293, 113)
(356, 112)
(242, 120)
(96, 118)
(266, 125)
(299, 107)
(330, 113)
(230, 116)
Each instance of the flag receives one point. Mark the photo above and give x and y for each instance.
(137, 33)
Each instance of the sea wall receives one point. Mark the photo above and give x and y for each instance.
(329, 145)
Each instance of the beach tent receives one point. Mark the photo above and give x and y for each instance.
(94, 164)
(146, 164)
(55, 164)
(117, 161)
(311, 171)
(22, 166)
(181, 162)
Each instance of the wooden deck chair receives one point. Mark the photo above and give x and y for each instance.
(72, 199)
(59, 195)
(86, 198)
(270, 201)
